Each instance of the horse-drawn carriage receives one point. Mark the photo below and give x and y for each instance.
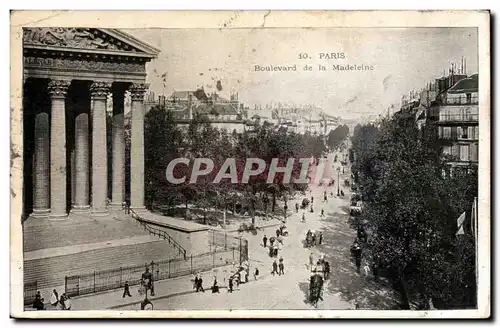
(315, 289)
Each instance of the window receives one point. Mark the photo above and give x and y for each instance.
(455, 151)
(470, 132)
(447, 150)
(476, 133)
(469, 98)
(462, 132)
(446, 132)
(473, 152)
(464, 153)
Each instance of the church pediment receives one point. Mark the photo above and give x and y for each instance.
(86, 39)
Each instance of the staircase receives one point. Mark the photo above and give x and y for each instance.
(50, 271)
(158, 231)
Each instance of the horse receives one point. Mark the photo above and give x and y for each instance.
(315, 289)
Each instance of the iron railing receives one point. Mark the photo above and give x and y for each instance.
(225, 241)
(157, 231)
(104, 280)
(460, 100)
(459, 117)
(30, 289)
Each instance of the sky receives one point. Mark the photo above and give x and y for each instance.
(404, 59)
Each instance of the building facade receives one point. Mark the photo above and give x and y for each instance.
(458, 122)
(68, 75)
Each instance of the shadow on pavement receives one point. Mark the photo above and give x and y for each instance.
(353, 287)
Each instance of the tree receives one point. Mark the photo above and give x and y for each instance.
(336, 136)
(411, 209)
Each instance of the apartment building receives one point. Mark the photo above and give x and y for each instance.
(458, 122)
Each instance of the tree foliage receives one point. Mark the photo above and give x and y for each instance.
(165, 140)
(337, 135)
(412, 208)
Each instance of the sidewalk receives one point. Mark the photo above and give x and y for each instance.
(163, 289)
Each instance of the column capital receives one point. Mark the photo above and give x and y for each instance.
(137, 91)
(58, 88)
(100, 89)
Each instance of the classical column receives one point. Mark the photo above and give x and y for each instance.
(118, 146)
(73, 175)
(99, 92)
(137, 147)
(57, 91)
(81, 163)
(41, 186)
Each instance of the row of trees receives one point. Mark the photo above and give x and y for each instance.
(336, 136)
(165, 140)
(412, 207)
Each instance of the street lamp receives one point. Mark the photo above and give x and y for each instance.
(338, 180)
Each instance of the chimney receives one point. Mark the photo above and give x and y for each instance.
(189, 106)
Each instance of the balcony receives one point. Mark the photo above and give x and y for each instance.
(459, 118)
(460, 100)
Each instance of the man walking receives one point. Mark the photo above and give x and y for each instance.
(264, 240)
(320, 238)
(126, 290)
(230, 290)
(200, 285)
(281, 267)
(275, 268)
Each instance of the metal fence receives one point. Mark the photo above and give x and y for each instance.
(225, 241)
(30, 289)
(115, 278)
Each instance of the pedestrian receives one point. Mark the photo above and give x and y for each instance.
(296, 208)
(322, 212)
(275, 268)
(311, 262)
(230, 290)
(67, 303)
(312, 199)
(215, 287)
(303, 217)
(320, 238)
(281, 267)
(256, 273)
(126, 290)
(38, 303)
(62, 301)
(326, 269)
(264, 240)
(237, 278)
(358, 260)
(277, 233)
(54, 298)
(195, 281)
(325, 198)
(312, 209)
(200, 284)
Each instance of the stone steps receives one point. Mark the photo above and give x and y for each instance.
(52, 270)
